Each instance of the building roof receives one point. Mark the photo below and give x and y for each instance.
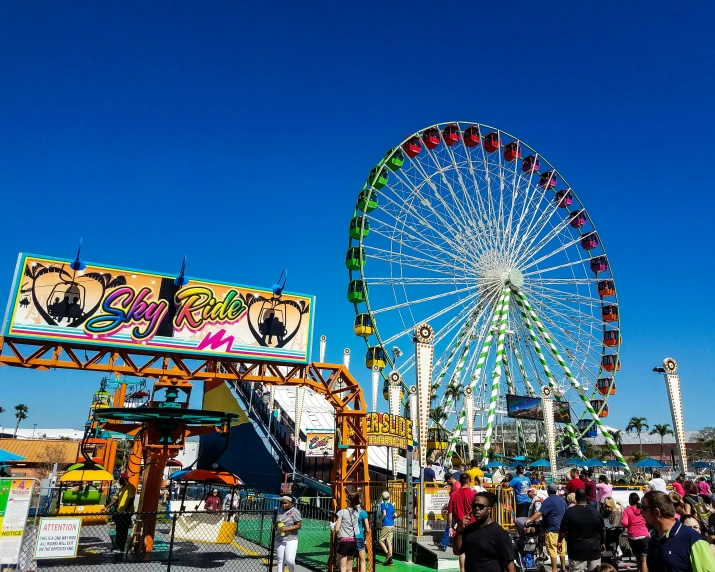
(43, 450)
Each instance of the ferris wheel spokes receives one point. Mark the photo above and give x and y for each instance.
(524, 302)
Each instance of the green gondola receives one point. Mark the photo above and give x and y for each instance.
(396, 161)
(379, 177)
(359, 227)
(355, 258)
(367, 200)
(357, 291)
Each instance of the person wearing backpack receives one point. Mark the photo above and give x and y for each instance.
(694, 505)
(387, 510)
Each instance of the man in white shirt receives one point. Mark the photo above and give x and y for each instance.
(656, 483)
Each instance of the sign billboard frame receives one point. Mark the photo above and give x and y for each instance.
(125, 316)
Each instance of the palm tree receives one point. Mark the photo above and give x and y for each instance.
(637, 424)
(617, 439)
(661, 429)
(20, 413)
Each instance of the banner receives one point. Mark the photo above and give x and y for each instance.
(15, 497)
(385, 430)
(319, 443)
(111, 306)
(522, 407)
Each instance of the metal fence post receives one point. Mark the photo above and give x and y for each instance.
(171, 542)
(273, 539)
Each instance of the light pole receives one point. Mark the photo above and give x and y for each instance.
(672, 384)
(34, 426)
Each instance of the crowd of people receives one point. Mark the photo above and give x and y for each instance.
(665, 530)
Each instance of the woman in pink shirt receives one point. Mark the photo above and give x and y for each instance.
(603, 489)
(637, 530)
(704, 490)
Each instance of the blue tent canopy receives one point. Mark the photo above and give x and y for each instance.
(7, 456)
(701, 465)
(494, 465)
(541, 463)
(576, 462)
(650, 464)
(614, 463)
(594, 463)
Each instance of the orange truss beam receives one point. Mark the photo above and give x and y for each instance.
(334, 382)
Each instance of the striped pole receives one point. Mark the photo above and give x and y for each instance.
(477, 372)
(500, 362)
(549, 376)
(572, 379)
(520, 438)
(469, 325)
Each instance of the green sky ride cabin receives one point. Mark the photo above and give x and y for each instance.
(355, 258)
(359, 227)
(357, 291)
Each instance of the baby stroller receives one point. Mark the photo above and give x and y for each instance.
(526, 549)
(611, 555)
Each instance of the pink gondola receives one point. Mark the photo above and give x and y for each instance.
(578, 219)
(531, 164)
(589, 242)
(563, 198)
(599, 264)
(548, 180)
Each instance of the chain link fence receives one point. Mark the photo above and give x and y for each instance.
(239, 540)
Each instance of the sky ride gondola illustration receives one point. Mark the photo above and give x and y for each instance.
(477, 234)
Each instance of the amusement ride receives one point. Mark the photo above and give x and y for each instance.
(467, 228)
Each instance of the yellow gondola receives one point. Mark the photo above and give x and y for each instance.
(364, 325)
(437, 439)
(375, 357)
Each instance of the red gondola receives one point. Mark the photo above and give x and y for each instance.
(531, 164)
(512, 151)
(450, 134)
(606, 386)
(606, 288)
(412, 147)
(612, 338)
(492, 142)
(611, 363)
(609, 313)
(431, 138)
(548, 180)
(472, 136)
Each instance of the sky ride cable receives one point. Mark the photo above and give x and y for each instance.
(521, 298)
(499, 362)
(549, 376)
(477, 371)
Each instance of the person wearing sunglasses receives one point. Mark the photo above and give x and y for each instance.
(486, 546)
(673, 547)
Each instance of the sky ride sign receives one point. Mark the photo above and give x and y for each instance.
(111, 306)
(15, 498)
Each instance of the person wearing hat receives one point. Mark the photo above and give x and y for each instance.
(387, 509)
(551, 513)
(124, 501)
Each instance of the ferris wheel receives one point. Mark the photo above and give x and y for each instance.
(467, 228)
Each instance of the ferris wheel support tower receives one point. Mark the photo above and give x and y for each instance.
(672, 384)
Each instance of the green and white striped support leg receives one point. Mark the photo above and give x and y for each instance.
(477, 372)
(500, 362)
(529, 388)
(549, 376)
(570, 376)
(512, 389)
(468, 325)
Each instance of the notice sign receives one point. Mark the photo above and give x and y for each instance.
(57, 538)
(435, 509)
(15, 497)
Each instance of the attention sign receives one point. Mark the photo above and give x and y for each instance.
(57, 538)
(387, 430)
(112, 306)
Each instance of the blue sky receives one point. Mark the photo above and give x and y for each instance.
(175, 128)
